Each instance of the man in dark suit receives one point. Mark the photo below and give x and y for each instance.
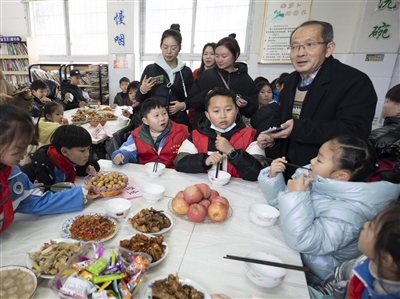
(322, 99)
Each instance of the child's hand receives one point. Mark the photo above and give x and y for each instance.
(40, 185)
(214, 158)
(65, 121)
(277, 166)
(126, 113)
(45, 100)
(299, 184)
(91, 170)
(91, 195)
(81, 104)
(118, 159)
(223, 145)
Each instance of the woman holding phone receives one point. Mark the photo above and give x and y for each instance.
(168, 79)
(227, 73)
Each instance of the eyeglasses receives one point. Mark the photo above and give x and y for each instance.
(306, 47)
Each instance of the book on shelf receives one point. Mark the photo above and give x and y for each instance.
(13, 49)
(16, 79)
(39, 74)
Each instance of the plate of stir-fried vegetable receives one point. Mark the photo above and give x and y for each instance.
(90, 227)
(49, 257)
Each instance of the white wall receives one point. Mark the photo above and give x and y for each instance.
(13, 20)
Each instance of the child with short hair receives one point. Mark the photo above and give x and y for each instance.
(39, 92)
(387, 138)
(222, 138)
(17, 193)
(158, 136)
(379, 277)
(122, 98)
(65, 158)
(51, 117)
(323, 209)
(135, 117)
(265, 93)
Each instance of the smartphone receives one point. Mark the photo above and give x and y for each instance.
(158, 79)
(272, 130)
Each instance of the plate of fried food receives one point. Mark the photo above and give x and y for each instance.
(174, 286)
(47, 258)
(152, 245)
(79, 117)
(90, 227)
(107, 108)
(108, 114)
(107, 183)
(150, 221)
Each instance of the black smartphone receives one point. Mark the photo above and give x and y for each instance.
(272, 130)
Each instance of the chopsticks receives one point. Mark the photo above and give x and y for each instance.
(289, 164)
(156, 164)
(268, 263)
(216, 172)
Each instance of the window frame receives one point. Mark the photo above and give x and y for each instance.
(68, 57)
(190, 57)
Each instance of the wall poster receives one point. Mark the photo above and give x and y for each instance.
(280, 19)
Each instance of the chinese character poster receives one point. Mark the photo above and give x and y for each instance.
(280, 19)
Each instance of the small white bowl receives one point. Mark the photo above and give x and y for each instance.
(263, 275)
(263, 214)
(223, 177)
(152, 192)
(123, 120)
(149, 169)
(19, 281)
(117, 207)
(59, 187)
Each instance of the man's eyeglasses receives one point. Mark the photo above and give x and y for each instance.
(306, 47)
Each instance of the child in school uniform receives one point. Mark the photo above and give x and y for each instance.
(122, 98)
(51, 118)
(158, 136)
(39, 92)
(222, 137)
(66, 157)
(323, 209)
(17, 193)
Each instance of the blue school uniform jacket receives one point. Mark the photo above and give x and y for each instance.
(324, 222)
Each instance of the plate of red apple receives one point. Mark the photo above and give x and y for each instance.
(199, 203)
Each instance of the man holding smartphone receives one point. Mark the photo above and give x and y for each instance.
(71, 93)
(322, 98)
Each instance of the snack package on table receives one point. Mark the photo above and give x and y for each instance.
(99, 272)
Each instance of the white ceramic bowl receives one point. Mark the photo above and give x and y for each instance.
(18, 279)
(263, 214)
(152, 192)
(123, 120)
(263, 275)
(117, 207)
(223, 177)
(149, 169)
(59, 187)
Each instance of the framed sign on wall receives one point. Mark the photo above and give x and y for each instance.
(280, 19)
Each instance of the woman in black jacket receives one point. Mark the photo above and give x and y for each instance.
(235, 77)
(174, 78)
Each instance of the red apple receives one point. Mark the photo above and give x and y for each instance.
(217, 211)
(180, 206)
(192, 194)
(214, 193)
(220, 199)
(197, 212)
(205, 202)
(205, 189)
(179, 194)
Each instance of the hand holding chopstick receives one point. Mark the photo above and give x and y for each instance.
(268, 263)
(288, 164)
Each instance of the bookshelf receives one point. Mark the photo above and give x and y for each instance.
(15, 58)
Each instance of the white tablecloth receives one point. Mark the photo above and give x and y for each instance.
(195, 250)
(111, 126)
